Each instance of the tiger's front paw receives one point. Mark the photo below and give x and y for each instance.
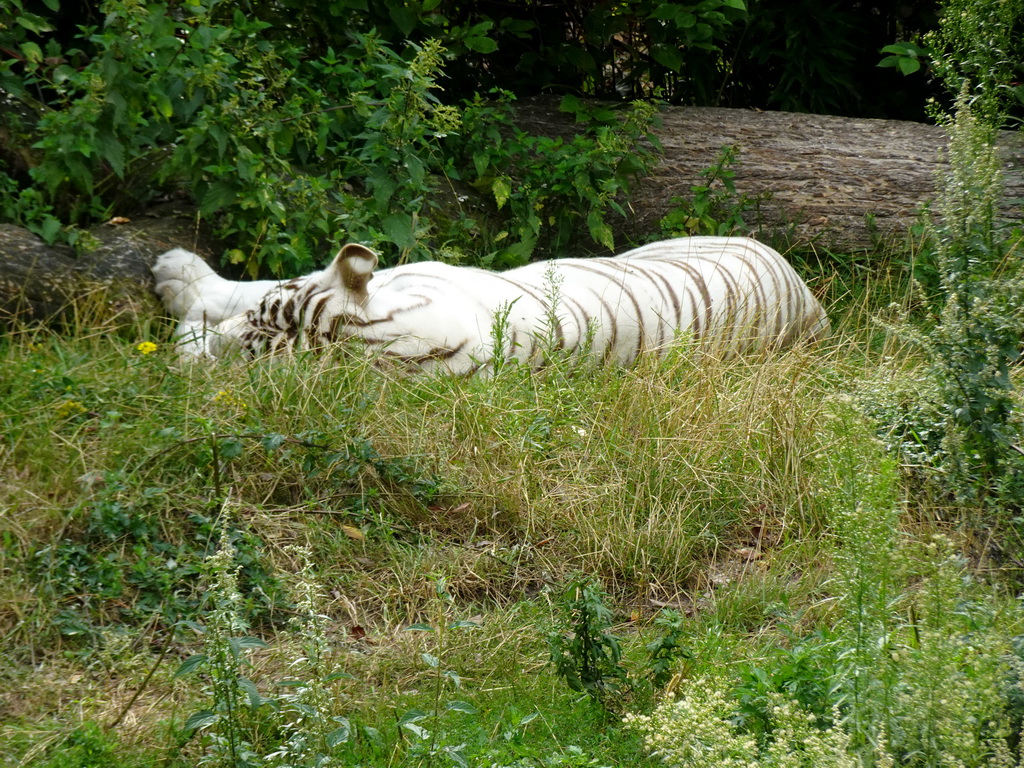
(181, 278)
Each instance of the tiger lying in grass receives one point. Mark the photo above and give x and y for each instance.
(731, 294)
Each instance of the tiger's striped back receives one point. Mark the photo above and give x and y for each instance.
(729, 294)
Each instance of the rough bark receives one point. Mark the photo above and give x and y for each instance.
(842, 183)
(108, 277)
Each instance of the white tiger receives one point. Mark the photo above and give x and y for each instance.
(732, 294)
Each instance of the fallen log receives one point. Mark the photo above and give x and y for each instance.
(844, 184)
(109, 271)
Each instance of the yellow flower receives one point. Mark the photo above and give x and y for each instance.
(146, 347)
(223, 397)
(68, 408)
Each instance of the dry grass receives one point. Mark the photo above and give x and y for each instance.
(691, 483)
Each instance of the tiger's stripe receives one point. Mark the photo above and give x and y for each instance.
(730, 295)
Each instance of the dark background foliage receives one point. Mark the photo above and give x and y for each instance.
(802, 55)
(294, 126)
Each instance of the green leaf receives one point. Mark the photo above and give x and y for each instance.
(189, 664)
(909, 66)
(398, 228)
(340, 675)
(502, 189)
(416, 169)
(63, 73)
(481, 162)
(247, 642)
(527, 719)
(201, 719)
(111, 150)
(455, 754)
(32, 52)
(412, 716)
(571, 103)
(418, 731)
(429, 5)
(272, 442)
(231, 448)
(481, 44)
(34, 23)
(461, 706)
(219, 195)
(739, 5)
(667, 55)
(685, 20)
(430, 660)
(665, 11)
(404, 18)
(419, 628)
(904, 49)
(50, 229)
(600, 230)
(249, 687)
(284, 139)
(339, 735)
(162, 103)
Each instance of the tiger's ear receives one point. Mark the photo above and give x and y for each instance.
(354, 267)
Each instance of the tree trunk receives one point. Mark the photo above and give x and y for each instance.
(846, 184)
(840, 183)
(108, 278)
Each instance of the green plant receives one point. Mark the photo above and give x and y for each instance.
(975, 49)
(162, 95)
(225, 649)
(586, 654)
(305, 708)
(907, 57)
(288, 143)
(28, 208)
(665, 650)
(429, 741)
(698, 730)
(801, 670)
(87, 746)
(977, 338)
(715, 208)
(969, 433)
(948, 699)
(866, 571)
(546, 189)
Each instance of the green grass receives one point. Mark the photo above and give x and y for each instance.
(750, 495)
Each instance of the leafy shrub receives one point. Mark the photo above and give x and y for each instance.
(698, 730)
(224, 657)
(964, 421)
(87, 746)
(978, 48)
(121, 563)
(715, 208)
(801, 671)
(587, 655)
(975, 49)
(552, 184)
(290, 144)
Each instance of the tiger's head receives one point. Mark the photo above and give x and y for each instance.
(310, 311)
